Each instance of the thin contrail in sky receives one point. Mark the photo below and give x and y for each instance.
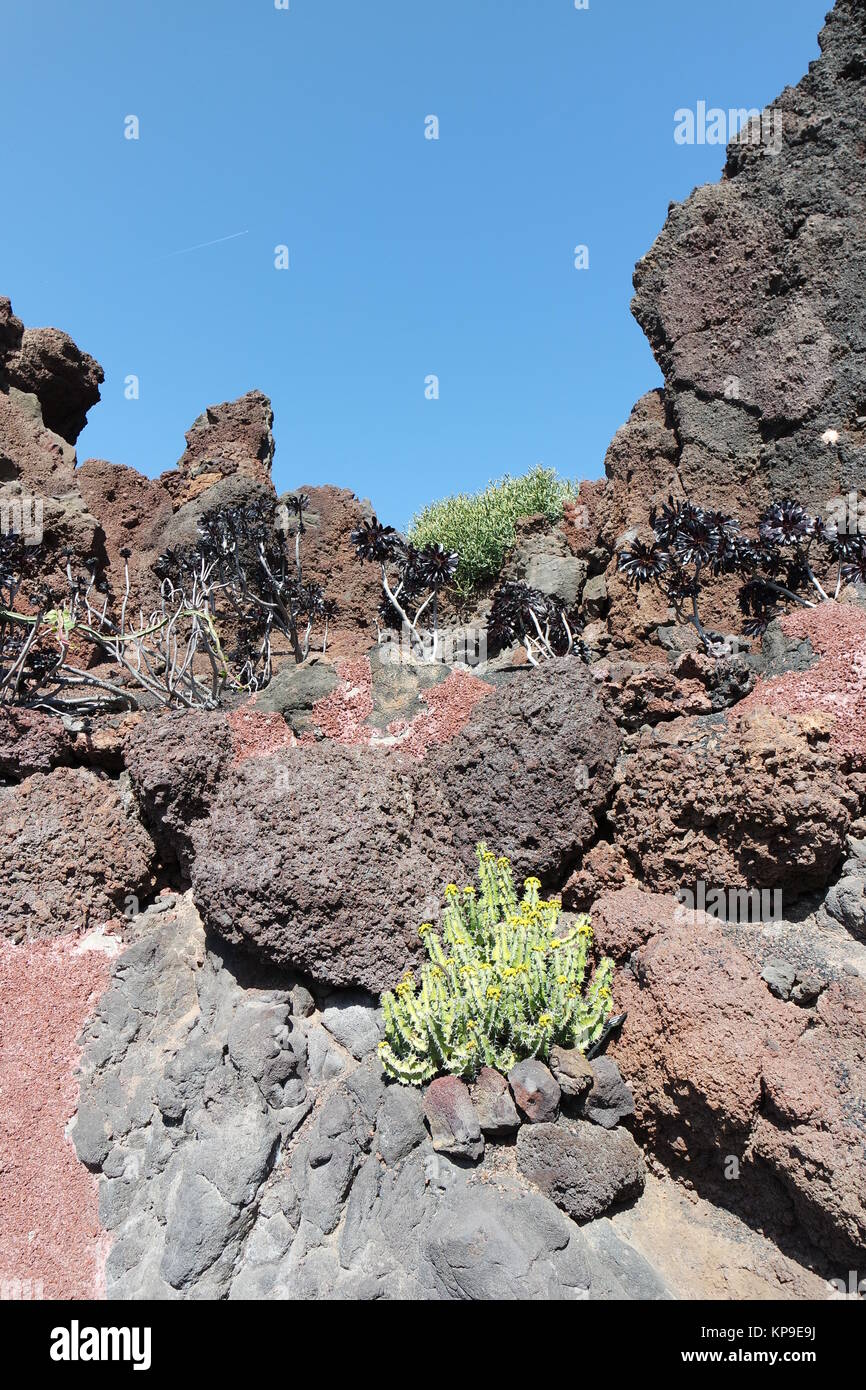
(202, 244)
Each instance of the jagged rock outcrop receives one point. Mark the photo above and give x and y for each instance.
(230, 440)
(753, 299)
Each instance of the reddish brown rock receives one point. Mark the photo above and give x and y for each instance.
(31, 742)
(493, 1104)
(754, 801)
(50, 1236)
(535, 1090)
(133, 512)
(66, 381)
(626, 918)
(833, 685)
(229, 440)
(74, 851)
(176, 762)
(742, 1076)
(454, 1126)
(329, 559)
(603, 869)
(30, 453)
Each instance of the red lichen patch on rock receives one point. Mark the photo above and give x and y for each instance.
(49, 1228)
(449, 706)
(256, 733)
(836, 684)
(342, 715)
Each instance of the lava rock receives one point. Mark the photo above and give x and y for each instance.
(780, 976)
(610, 1100)
(491, 1097)
(572, 1071)
(535, 1090)
(453, 1121)
(584, 1170)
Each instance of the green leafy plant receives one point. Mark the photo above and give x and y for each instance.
(480, 527)
(500, 984)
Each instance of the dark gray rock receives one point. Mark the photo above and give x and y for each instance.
(753, 297)
(572, 1071)
(325, 859)
(494, 1107)
(355, 1020)
(780, 976)
(535, 1090)
(400, 1124)
(545, 727)
(453, 1121)
(585, 1170)
(846, 900)
(610, 1100)
(295, 690)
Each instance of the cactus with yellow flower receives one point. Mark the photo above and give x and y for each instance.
(501, 984)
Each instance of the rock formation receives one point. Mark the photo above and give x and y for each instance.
(220, 896)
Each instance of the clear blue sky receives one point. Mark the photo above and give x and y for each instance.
(408, 257)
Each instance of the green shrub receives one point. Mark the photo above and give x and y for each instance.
(499, 986)
(481, 526)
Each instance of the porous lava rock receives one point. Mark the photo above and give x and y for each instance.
(175, 762)
(65, 380)
(232, 439)
(327, 858)
(73, 852)
(748, 1084)
(531, 770)
(755, 801)
(583, 1169)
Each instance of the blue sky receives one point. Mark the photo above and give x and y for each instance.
(408, 257)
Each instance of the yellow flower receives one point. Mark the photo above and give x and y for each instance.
(562, 979)
(545, 1019)
(452, 890)
(424, 928)
(493, 991)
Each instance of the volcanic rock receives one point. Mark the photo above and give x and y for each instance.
(584, 1170)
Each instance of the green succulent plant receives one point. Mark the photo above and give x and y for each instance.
(500, 984)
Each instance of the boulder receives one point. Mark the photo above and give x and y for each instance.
(493, 1104)
(584, 1170)
(325, 858)
(572, 1071)
(454, 1123)
(535, 1090)
(609, 1100)
(543, 737)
